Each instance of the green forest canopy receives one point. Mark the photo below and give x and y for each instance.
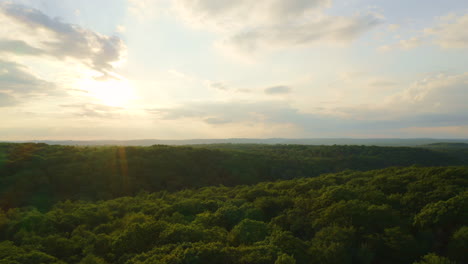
(395, 215)
(230, 203)
(41, 175)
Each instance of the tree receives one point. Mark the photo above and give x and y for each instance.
(248, 232)
(333, 244)
(434, 259)
(458, 245)
(285, 259)
(91, 259)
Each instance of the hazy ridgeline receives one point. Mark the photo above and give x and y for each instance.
(233, 203)
(396, 142)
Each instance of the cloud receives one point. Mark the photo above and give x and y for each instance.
(439, 93)
(120, 29)
(435, 101)
(333, 30)
(18, 47)
(409, 43)
(35, 33)
(246, 115)
(17, 79)
(405, 44)
(7, 100)
(217, 85)
(280, 89)
(228, 15)
(222, 112)
(434, 95)
(393, 27)
(89, 110)
(451, 32)
(382, 83)
(243, 90)
(252, 114)
(253, 26)
(216, 121)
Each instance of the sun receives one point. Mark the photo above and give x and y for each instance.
(114, 92)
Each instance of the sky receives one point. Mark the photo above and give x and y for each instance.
(183, 69)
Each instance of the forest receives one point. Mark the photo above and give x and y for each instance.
(233, 203)
(40, 175)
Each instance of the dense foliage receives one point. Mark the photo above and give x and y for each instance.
(395, 215)
(41, 175)
(458, 150)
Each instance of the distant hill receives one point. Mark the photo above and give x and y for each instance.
(458, 150)
(446, 145)
(304, 141)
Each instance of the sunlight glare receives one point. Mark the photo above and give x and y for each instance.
(110, 92)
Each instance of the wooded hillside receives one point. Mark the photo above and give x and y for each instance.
(41, 175)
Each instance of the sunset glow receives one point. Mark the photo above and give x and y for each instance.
(181, 69)
(111, 92)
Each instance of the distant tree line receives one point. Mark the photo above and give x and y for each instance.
(41, 175)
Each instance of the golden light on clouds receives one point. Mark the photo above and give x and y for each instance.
(228, 69)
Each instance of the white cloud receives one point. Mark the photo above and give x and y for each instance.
(393, 27)
(237, 15)
(18, 47)
(7, 100)
(217, 113)
(411, 43)
(121, 29)
(405, 44)
(440, 93)
(89, 110)
(252, 26)
(451, 32)
(435, 101)
(19, 80)
(39, 35)
(436, 96)
(322, 29)
(43, 58)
